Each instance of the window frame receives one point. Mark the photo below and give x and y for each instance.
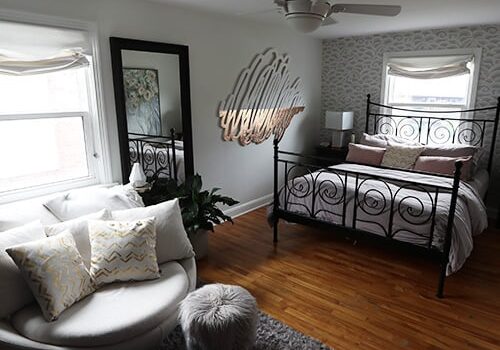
(94, 124)
(472, 91)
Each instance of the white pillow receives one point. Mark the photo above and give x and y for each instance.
(172, 242)
(401, 156)
(80, 231)
(73, 204)
(14, 292)
(382, 140)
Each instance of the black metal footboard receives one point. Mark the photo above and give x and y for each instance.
(156, 154)
(358, 203)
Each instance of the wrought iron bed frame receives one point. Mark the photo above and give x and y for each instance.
(430, 126)
(156, 154)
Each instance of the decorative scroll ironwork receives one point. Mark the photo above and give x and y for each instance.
(395, 209)
(263, 102)
(156, 154)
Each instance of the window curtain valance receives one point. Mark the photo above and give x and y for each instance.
(429, 67)
(54, 48)
(65, 60)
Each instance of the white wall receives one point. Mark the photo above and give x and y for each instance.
(220, 48)
(169, 85)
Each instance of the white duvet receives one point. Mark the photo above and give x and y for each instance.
(412, 216)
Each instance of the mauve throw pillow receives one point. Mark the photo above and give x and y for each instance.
(443, 165)
(363, 154)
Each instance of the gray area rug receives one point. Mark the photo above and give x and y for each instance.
(271, 335)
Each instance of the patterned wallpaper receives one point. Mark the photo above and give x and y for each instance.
(352, 67)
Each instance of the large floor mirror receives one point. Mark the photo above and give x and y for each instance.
(153, 108)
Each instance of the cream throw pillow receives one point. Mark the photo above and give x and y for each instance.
(54, 271)
(172, 242)
(403, 157)
(79, 228)
(123, 250)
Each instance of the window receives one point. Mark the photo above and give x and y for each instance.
(48, 115)
(438, 80)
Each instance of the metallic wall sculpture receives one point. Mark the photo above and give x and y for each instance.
(263, 102)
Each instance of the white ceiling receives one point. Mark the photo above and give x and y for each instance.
(416, 14)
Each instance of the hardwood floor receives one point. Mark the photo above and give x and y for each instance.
(361, 296)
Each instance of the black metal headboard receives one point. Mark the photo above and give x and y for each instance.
(156, 154)
(479, 127)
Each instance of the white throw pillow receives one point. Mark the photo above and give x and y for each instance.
(80, 231)
(123, 251)
(54, 271)
(80, 202)
(399, 156)
(14, 292)
(172, 242)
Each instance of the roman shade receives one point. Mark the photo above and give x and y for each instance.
(432, 67)
(55, 49)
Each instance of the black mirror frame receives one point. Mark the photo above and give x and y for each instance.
(119, 44)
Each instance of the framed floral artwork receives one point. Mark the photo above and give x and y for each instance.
(142, 100)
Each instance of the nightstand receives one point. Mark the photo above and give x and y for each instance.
(332, 155)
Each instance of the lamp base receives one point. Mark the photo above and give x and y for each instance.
(340, 138)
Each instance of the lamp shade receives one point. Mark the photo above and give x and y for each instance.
(339, 120)
(137, 177)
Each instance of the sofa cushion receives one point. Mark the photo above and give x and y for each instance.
(73, 204)
(113, 314)
(172, 242)
(20, 213)
(12, 285)
(80, 230)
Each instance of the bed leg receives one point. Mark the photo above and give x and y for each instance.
(442, 277)
(275, 230)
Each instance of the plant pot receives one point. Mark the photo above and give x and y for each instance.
(199, 240)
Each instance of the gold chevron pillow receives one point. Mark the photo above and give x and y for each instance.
(54, 271)
(123, 250)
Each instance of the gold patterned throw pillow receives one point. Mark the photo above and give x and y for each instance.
(54, 271)
(123, 250)
(401, 156)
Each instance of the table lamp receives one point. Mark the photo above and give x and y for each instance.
(341, 123)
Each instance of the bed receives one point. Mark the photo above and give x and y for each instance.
(161, 157)
(434, 214)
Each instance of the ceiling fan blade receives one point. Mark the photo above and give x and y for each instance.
(377, 10)
(328, 21)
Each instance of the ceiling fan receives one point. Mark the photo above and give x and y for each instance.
(308, 15)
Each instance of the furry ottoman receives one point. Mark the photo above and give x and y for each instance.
(219, 317)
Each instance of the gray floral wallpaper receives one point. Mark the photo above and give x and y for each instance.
(352, 67)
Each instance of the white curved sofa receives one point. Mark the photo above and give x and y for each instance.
(132, 315)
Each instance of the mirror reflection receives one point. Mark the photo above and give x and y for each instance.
(153, 111)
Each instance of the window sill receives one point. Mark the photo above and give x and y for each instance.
(43, 190)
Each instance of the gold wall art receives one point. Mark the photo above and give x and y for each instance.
(263, 102)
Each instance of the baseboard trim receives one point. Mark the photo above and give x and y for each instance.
(244, 208)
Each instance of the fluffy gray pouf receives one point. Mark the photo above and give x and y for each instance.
(219, 317)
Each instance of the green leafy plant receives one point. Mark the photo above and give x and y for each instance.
(199, 207)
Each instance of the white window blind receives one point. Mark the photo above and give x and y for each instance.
(48, 112)
(31, 49)
(432, 67)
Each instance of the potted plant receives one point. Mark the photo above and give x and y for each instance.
(200, 210)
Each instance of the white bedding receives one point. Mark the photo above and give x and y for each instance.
(411, 221)
(480, 182)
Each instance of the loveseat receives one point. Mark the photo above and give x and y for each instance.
(125, 315)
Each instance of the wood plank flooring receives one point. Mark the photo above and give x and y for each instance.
(363, 295)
